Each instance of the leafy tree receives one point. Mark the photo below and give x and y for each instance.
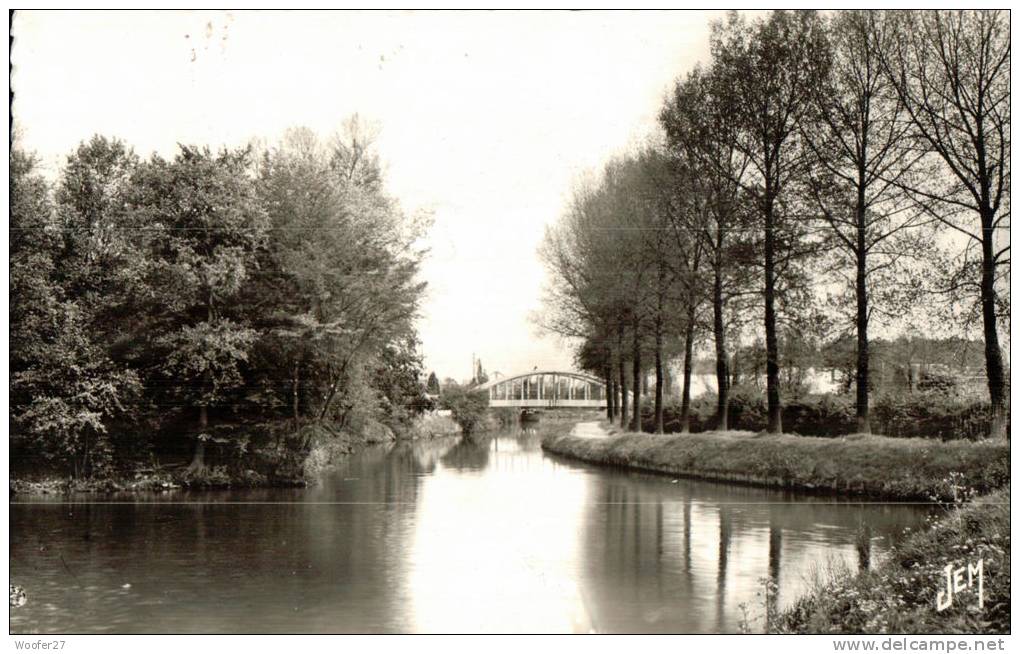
(100, 260)
(208, 226)
(594, 355)
(63, 387)
(480, 376)
(210, 286)
(342, 258)
(398, 380)
(432, 386)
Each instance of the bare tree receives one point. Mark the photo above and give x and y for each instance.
(951, 71)
(674, 257)
(861, 142)
(700, 136)
(769, 71)
(586, 298)
(632, 224)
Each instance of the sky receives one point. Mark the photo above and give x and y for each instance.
(485, 119)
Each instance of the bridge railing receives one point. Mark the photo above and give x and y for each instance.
(548, 404)
(547, 388)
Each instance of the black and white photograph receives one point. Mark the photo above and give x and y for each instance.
(475, 321)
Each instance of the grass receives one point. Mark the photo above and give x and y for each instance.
(900, 595)
(876, 466)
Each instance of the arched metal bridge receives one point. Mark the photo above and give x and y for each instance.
(547, 389)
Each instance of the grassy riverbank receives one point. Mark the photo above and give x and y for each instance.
(890, 468)
(900, 595)
(279, 456)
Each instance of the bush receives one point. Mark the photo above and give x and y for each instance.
(206, 477)
(468, 407)
(920, 415)
(931, 415)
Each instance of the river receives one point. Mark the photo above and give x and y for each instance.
(449, 536)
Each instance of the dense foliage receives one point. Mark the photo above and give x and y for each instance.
(467, 405)
(168, 305)
(921, 415)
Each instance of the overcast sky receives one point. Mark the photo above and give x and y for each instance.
(486, 119)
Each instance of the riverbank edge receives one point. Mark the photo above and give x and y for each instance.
(900, 596)
(327, 447)
(877, 467)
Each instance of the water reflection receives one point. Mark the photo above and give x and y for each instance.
(695, 557)
(497, 552)
(480, 535)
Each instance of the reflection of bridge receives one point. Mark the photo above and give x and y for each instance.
(544, 388)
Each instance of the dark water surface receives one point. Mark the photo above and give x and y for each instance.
(445, 536)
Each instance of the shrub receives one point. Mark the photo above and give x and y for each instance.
(467, 407)
(206, 477)
(932, 414)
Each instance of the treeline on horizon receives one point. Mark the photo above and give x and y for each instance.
(819, 176)
(162, 303)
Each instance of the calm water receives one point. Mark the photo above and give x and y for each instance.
(446, 536)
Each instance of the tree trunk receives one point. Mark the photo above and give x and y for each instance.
(610, 408)
(333, 389)
(993, 355)
(297, 414)
(659, 381)
(198, 460)
(775, 416)
(616, 394)
(635, 419)
(722, 375)
(623, 382)
(863, 420)
(685, 400)
(85, 468)
(616, 397)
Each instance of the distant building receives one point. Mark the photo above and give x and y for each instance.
(822, 380)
